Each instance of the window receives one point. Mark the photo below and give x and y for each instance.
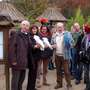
(1, 45)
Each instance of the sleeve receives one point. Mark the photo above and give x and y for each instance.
(83, 45)
(12, 48)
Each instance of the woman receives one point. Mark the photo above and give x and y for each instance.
(47, 53)
(36, 57)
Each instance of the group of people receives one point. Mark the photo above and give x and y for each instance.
(30, 47)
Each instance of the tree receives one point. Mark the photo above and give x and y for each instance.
(31, 8)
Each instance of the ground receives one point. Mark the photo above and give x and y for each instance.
(51, 79)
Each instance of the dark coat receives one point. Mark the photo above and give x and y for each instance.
(36, 52)
(20, 50)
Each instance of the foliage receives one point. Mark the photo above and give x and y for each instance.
(70, 23)
(31, 8)
(88, 19)
(79, 17)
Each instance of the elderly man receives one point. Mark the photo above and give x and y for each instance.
(19, 52)
(62, 43)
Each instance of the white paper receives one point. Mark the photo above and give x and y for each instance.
(39, 41)
(45, 40)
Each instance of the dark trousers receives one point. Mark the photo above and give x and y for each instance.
(18, 77)
(32, 76)
(87, 76)
(61, 63)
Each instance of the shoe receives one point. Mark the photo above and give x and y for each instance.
(58, 86)
(77, 82)
(69, 87)
(39, 86)
(46, 84)
(35, 89)
(72, 77)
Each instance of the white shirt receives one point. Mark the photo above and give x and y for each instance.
(59, 44)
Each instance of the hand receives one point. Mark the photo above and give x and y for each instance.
(14, 63)
(46, 46)
(54, 46)
(37, 46)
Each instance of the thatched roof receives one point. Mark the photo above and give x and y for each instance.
(52, 14)
(5, 20)
(9, 9)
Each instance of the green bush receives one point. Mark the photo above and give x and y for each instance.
(88, 19)
(77, 18)
(69, 23)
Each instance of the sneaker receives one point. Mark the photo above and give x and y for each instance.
(58, 86)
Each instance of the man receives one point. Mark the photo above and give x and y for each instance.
(19, 52)
(62, 55)
(76, 65)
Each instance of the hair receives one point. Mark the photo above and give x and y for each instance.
(34, 26)
(48, 30)
(25, 22)
(59, 24)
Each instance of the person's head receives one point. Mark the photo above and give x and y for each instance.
(53, 30)
(87, 28)
(60, 27)
(76, 27)
(34, 29)
(25, 25)
(44, 29)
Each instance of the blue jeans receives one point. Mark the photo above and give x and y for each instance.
(76, 65)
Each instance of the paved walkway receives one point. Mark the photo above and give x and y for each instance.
(51, 79)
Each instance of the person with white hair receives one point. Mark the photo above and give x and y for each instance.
(62, 43)
(19, 54)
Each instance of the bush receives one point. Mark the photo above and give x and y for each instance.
(77, 18)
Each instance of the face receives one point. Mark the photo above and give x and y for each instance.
(25, 25)
(76, 26)
(44, 29)
(60, 29)
(34, 30)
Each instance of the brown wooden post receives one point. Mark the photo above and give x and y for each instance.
(4, 61)
(6, 40)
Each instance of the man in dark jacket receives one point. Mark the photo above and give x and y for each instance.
(19, 54)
